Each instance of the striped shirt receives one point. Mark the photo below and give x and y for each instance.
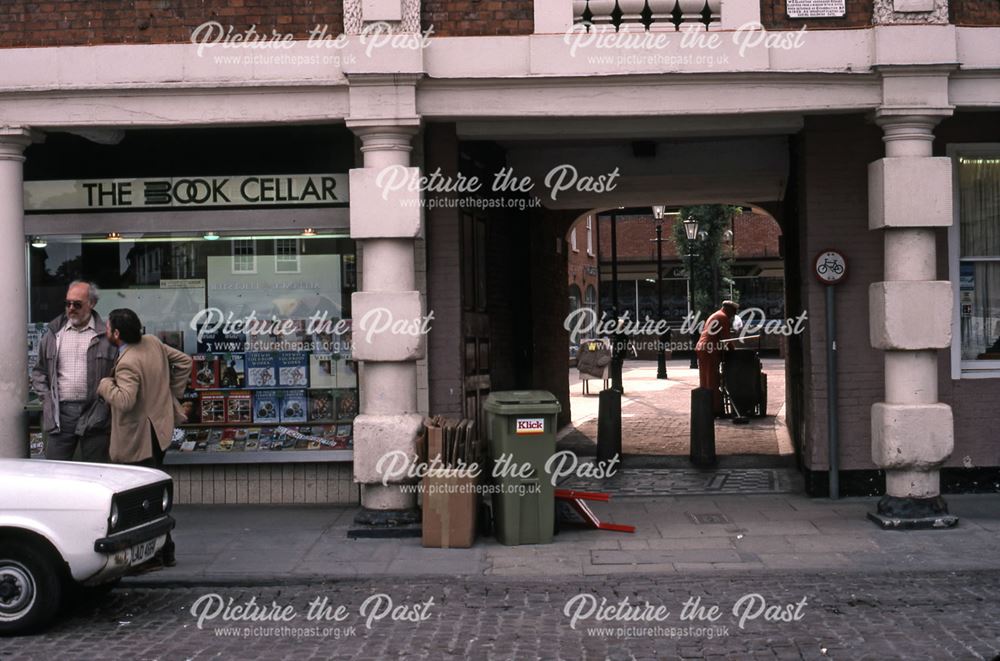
(72, 346)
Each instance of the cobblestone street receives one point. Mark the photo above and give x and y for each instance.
(949, 615)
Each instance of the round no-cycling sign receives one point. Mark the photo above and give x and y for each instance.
(830, 267)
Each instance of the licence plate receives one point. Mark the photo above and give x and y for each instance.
(142, 552)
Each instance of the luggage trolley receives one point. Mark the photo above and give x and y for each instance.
(743, 384)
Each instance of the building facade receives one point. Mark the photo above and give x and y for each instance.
(868, 127)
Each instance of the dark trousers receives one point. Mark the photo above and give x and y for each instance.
(62, 443)
(156, 461)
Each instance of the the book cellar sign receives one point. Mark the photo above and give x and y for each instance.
(815, 8)
(190, 192)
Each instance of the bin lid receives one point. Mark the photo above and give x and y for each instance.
(522, 401)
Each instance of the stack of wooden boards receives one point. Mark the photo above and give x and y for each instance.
(455, 458)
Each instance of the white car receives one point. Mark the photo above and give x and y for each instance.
(66, 524)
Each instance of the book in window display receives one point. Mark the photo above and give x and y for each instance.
(347, 373)
(321, 406)
(239, 407)
(232, 370)
(343, 435)
(266, 407)
(266, 438)
(261, 370)
(294, 405)
(323, 370)
(253, 439)
(347, 405)
(213, 407)
(204, 371)
(293, 368)
(190, 403)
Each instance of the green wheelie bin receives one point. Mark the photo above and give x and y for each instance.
(521, 429)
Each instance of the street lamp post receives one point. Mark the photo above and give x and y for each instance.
(691, 232)
(661, 354)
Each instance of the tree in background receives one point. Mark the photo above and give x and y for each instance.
(712, 264)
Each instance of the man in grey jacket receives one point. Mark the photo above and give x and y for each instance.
(75, 354)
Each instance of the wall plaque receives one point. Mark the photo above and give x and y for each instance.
(815, 8)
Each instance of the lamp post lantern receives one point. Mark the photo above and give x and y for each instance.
(691, 232)
(661, 354)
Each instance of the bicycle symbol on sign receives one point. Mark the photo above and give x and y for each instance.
(830, 265)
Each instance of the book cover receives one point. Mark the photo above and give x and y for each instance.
(347, 405)
(226, 442)
(218, 342)
(260, 370)
(232, 368)
(294, 405)
(188, 446)
(323, 370)
(191, 406)
(347, 373)
(265, 439)
(265, 407)
(204, 371)
(253, 439)
(239, 406)
(321, 406)
(293, 368)
(213, 407)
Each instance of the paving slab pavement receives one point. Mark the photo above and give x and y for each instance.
(263, 544)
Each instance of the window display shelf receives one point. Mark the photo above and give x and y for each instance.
(175, 458)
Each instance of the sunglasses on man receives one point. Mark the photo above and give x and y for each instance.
(76, 305)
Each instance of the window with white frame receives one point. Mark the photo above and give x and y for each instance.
(286, 256)
(244, 256)
(590, 235)
(572, 240)
(975, 261)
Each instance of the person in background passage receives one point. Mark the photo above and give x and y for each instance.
(148, 378)
(73, 357)
(717, 327)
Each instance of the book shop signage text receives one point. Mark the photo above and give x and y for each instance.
(174, 192)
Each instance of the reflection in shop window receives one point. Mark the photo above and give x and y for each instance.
(979, 261)
(286, 256)
(295, 390)
(244, 256)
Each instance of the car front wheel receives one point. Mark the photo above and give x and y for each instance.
(30, 588)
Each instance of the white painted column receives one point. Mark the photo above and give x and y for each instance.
(910, 195)
(386, 223)
(14, 321)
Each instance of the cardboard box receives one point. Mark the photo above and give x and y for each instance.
(449, 508)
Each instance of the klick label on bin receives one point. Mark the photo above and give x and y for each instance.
(529, 426)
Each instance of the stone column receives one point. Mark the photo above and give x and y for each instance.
(14, 321)
(386, 223)
(910, 197)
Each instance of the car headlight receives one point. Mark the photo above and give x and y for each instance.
(114, 515)
(166, 499)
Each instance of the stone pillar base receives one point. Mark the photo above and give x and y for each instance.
(913, 514)
(369, 523)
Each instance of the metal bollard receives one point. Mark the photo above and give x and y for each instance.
(702, 428)
(609, 425)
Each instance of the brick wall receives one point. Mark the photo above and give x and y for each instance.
(773, 17)
(581, 266)
(836, 152)
(64, 23)
(466, 18)
(444, 282)
(974, 12)
(973, 401)
(244, 484)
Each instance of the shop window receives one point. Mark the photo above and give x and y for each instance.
(293, 388)
(975, 261)
(286, 256)
(244, 256)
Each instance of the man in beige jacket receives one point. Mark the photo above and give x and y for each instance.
(148, 378)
